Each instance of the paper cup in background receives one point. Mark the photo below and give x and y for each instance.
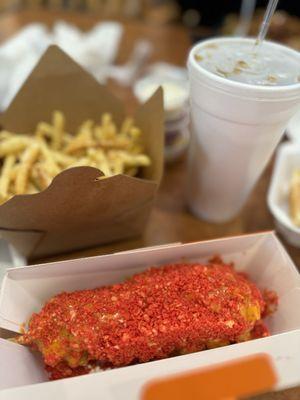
(235, 129)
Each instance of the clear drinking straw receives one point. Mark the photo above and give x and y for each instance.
(266, 22)
(246, 15)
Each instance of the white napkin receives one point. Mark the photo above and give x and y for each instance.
(94, 50)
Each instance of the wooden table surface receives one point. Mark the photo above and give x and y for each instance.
(170, 220)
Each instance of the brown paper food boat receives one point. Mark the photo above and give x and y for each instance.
(77, 210)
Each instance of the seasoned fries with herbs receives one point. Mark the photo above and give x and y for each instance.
(29, 163)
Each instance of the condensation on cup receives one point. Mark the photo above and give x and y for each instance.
(241, 99)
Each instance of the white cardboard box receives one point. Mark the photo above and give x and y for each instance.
(25, 290)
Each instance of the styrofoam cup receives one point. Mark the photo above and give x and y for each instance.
(235, 129)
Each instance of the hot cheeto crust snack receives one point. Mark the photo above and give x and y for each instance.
(162, 312)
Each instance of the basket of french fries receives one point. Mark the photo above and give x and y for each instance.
(29, 163)
(75, 171)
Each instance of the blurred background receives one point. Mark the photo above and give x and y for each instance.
(131, 45)
(220, 15)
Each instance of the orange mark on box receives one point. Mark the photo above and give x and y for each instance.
(226, 381)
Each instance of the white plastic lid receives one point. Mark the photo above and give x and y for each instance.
(238, 89)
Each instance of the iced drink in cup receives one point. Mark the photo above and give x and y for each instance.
(242, 97)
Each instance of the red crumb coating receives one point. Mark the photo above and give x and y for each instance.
(165, 311)
(271, 300)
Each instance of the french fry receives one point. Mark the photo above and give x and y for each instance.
(134, 132)
(40, 177)
(5, 176)
(131, 171)
(43, 130)
(62, 159)
(117, 166)
(294, 198)
(101, 160)
(58, 129)
(13, 145)
(52, 166)
(27, 160)
(98, 132)
(126, 126)
(83, 140)
(135, 160)
(85, 130)
(82, 162)
(5, 135)
(121, 143)
(32, 189)
(14, 172)
(106, 119)
(109, 129)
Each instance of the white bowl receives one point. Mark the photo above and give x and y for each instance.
(287, 160)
